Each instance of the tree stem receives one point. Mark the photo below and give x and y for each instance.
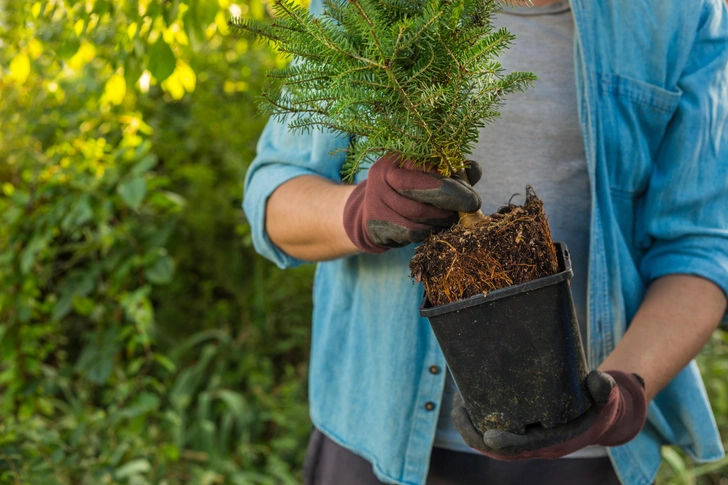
(470, 219)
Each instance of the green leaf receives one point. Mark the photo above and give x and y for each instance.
(133, 69)
(175, 198)
(161, 62)
(28, 256)
(77, 283)
(83, 305)
(161, 271)
(144, 165)
(134, 467)
(144, 404)
(235, 402)
(161, 359)
(97, 358)
(133, 191)
(170, 451)
(169, 13)
(80, 214)
(69, 47)
(677, 463)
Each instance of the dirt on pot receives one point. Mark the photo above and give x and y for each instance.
(510, 247)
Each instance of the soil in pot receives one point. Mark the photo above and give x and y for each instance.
(509, 247)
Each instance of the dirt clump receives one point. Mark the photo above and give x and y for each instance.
(512, 246)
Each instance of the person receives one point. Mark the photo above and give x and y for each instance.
(625, 138)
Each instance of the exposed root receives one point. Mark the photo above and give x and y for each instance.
(509, 247)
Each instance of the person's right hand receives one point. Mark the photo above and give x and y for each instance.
(399, 204)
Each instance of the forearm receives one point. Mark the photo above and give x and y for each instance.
(675, 320)
(304, 218)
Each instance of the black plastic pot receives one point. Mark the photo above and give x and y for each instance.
(516, 353)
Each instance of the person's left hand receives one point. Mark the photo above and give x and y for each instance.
(618, 414)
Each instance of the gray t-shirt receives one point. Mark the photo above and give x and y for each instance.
(537, 141)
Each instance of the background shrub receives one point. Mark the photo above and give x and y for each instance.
(142, 340)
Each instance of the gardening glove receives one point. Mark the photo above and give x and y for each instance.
(399, 204)
(618, 414)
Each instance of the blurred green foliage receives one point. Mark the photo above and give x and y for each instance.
(142, 341)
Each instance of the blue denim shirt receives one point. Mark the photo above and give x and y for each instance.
(652, 87)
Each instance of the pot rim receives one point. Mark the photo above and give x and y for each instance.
(562, 253)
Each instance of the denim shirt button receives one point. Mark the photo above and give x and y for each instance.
(434, 369)
(430, 406)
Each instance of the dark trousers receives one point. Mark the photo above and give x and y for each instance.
(330, 464)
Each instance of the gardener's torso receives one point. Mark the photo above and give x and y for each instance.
(376, 372)
(537, 141)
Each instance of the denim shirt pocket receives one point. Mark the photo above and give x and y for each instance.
(635, 118)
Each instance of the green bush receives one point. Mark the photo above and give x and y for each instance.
(142, 340)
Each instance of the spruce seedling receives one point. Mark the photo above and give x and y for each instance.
(418, 78)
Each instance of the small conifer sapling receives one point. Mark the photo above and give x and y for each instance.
(417, 78)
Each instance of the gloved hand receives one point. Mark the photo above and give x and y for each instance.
(399, 204)
(618, 414)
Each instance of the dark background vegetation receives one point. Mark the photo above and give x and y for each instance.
(142, 340)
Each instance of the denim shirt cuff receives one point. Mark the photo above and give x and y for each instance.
(257, 191)
(704, 259)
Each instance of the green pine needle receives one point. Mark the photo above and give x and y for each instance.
(414, 77)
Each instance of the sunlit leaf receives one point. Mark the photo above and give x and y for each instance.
(186, 76)
(131, 31)
(182, 80)
(78, 27)
(20, 67)
(85, 54)
(115, 89)
(35, 48)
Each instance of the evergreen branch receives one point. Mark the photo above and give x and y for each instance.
(369, 22)
(241, 25)
(450, 114)
(397, 128)
(417, 34)
(415, 78)
(362, 12)
(291, 11)
(304, 123)
(402, 7)
(332, 45)
(493, 45)
(408, 103)
(282, 25)
(422, 70)
(289, 109)
(431, 97)
(457, 82)
(335, 10)
(313, 101)
(301, 80)
(371, 84)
